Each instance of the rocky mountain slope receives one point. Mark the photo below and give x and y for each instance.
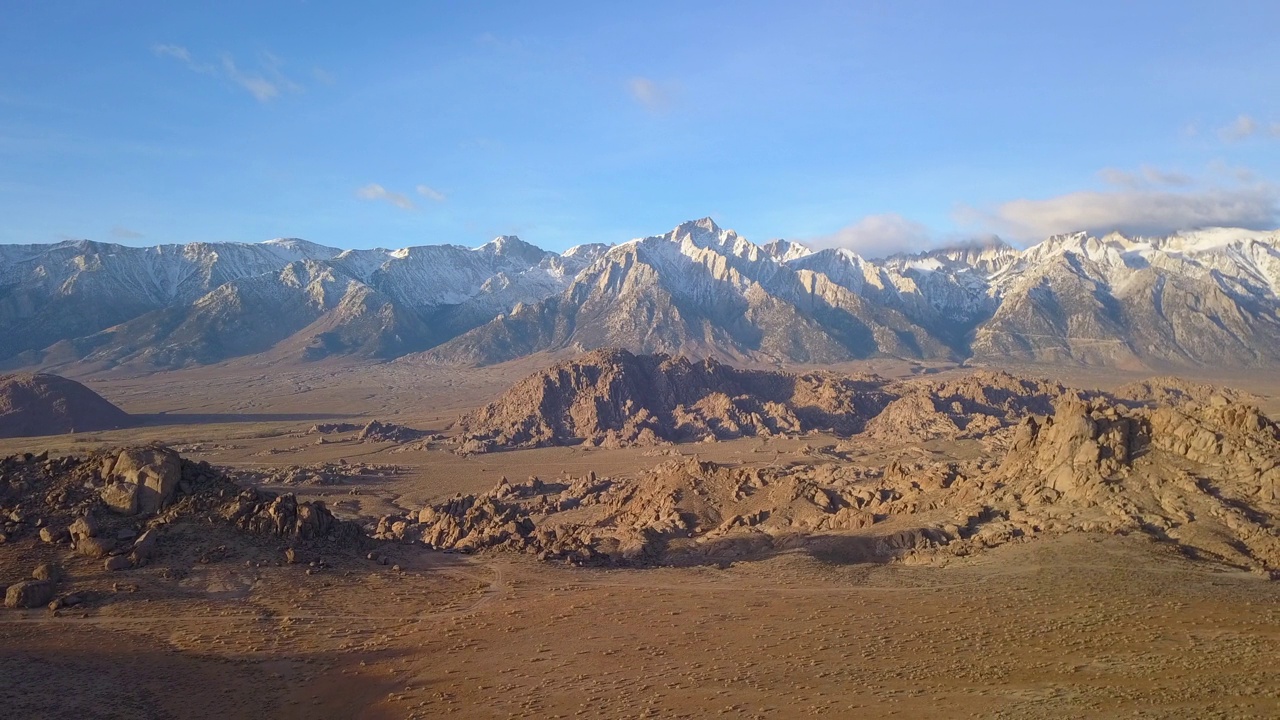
(175, 305)
(43, 404)
(1194, 298)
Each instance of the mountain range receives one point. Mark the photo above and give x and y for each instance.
(1193, 298)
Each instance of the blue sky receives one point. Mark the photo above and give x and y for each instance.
(875, 125)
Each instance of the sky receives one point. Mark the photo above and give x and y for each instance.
(879, 126)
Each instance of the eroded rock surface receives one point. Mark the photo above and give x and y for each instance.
(615, 398)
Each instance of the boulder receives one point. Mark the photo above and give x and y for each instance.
(144, 548)
(141, 480)
(95, 547)
(82, 528)
(28, 594)
(47, 571)
(117, 562)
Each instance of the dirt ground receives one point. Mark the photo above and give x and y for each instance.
(1072, 626)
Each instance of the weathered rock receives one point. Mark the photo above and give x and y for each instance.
(144, 548)
(141, 480)
(28, 594)
(120, 497)
(613, 398)
(376, 431)
(47, 571)
(95, 547)
(83, 527)
(117, 562)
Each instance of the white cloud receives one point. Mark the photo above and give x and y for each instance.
(651, 96)
(1145, 177)
(259, 87)
(876, 236)
(430, 193)
(374, 191)
(265, 83)
(1132, 211)
(1239, 129)
(182, 55)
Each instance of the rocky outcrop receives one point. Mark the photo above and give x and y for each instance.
(613, 398)
(283, 516)
(140, 480)
(44, 404)
(121, 507)
(376, 431)
(1200, 476)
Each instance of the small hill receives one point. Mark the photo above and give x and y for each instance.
(43, 404)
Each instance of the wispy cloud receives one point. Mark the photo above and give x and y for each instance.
(1239, 129)
(124, 233)
(265, 83)
(374, 191)
(430, 193)
(1247, 126)
(183, 55)
(1145, 177)
(651, 95)
(876, 236)
(1142, 211)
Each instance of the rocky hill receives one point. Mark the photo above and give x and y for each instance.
(43, 404)
(614, 398)
(1196, 471)
(1194, 298)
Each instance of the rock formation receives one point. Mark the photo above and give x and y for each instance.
(1199, 474)
(119, 506)
(613, 398)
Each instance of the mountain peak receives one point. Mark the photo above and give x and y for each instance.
(700, 226)
(786, 250)
(510, 246)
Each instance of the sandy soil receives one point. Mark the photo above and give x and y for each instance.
(1084, 625)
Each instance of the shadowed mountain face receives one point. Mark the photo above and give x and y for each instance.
(1194, 298)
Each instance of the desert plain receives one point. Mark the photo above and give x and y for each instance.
(1042, 625)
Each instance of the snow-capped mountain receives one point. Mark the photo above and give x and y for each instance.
(174, 305)
(1200, 297)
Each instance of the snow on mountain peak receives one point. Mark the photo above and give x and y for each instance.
(786, 250)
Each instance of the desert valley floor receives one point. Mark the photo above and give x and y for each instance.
(1081, 624)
